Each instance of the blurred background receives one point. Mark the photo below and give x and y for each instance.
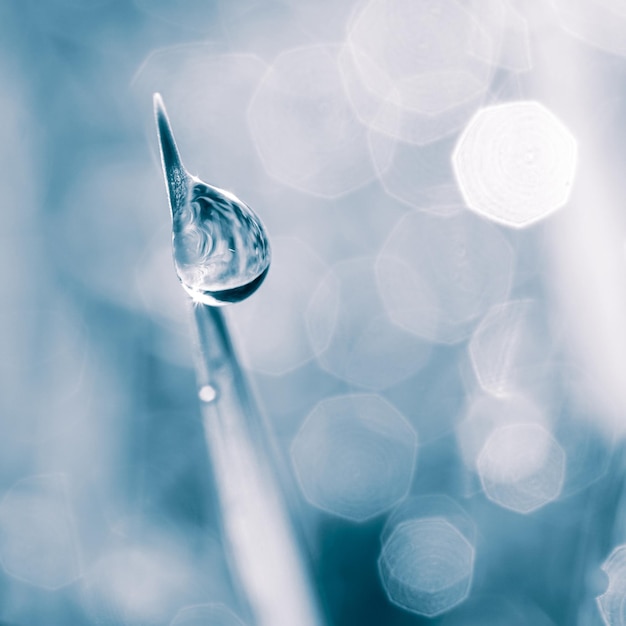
(440, 344)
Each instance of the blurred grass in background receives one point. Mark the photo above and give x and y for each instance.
(412, 356)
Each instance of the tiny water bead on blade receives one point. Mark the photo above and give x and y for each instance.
(221, 249)
(207, 393)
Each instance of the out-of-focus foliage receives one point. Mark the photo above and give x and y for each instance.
(389, 147)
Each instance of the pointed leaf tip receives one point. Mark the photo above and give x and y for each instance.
(175, 174)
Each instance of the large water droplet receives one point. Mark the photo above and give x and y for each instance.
(221, 249)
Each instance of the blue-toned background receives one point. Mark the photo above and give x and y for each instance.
(439, 347)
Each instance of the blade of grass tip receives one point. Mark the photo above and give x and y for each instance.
(176, 176)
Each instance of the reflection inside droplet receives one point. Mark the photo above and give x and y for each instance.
(221, 249)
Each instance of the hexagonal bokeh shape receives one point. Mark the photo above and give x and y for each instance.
(515, 163)
(612, 602)
(354, 456)
(521, 467)
(426, 566)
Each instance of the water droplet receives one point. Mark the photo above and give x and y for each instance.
(207, 393)
(221, 249)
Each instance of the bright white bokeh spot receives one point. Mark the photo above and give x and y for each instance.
(521, 467)
(38, 540)
(426, 566)
(271, 326)
(485, 414)
(206, 615)
(304, 128)
(511, 347)
(612, 603)
(515, 163)
(352, 335)
(354, 456)
(438, 275)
